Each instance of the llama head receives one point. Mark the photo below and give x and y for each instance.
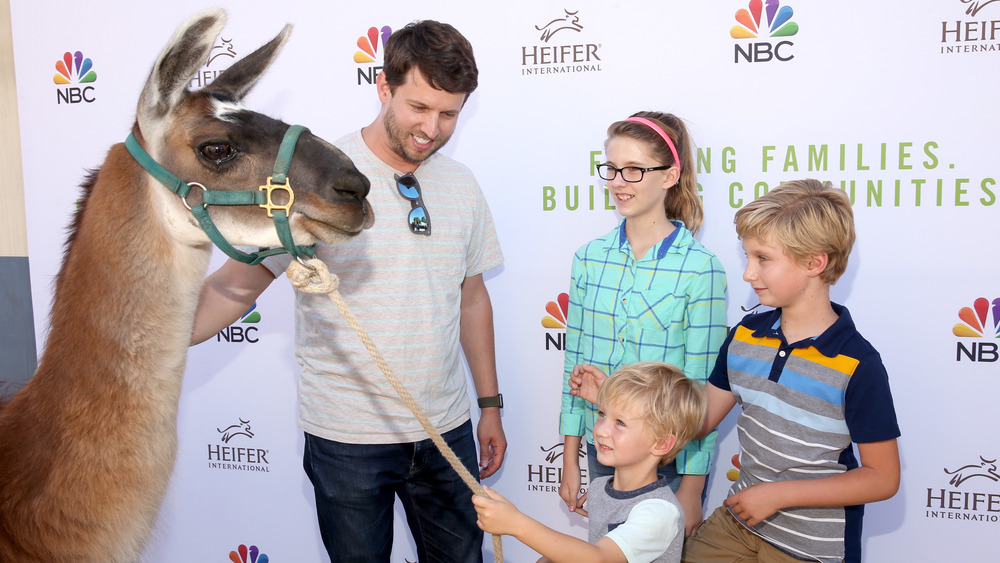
(210, 138)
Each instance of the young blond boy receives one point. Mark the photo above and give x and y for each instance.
(647, 412)
(809, 385)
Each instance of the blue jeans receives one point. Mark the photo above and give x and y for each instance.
(356, 486)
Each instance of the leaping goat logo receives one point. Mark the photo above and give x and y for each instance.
(225, 49)
(241, 429)
(555, 452)
(987, 468)
(975, 6)
(569, 21)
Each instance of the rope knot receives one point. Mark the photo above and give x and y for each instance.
(312, 276)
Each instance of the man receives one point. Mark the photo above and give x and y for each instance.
(415, 282)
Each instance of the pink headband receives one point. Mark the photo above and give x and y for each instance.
(658, 129)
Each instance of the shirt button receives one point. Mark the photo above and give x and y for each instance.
(781, 353)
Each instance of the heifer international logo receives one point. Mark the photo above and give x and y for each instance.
(220, 57)
(986, 468)
(980, 321)
(564, 58)
(546, 476)
(570, 21)
(233, 430)
(966, 499)
(369, 53)
(237, 457)
(763, 19)
(980, 35)
(975, 5)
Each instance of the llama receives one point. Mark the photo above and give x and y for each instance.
(88, 445)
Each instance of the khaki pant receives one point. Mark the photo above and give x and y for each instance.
(721, 539)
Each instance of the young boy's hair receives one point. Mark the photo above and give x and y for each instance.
(804, 217)
(669, 402)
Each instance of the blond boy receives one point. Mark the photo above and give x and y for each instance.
(648, 411)
(809, 386)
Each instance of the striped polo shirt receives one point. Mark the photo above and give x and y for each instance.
(405, 290)
(803, 405)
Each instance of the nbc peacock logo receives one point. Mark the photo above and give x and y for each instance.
(242, 330)
(74, 68)
(244, 554)
(370, 47)
(734, 473)
(777, 23)
(979, 321)
(555, 319)
(764, 19)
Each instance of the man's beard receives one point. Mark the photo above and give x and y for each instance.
(398, 141)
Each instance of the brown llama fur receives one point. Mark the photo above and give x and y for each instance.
(88, 445)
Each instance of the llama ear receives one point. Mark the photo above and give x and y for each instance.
(237, 80)
(187, 51)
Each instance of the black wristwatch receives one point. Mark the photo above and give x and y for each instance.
(497, 401)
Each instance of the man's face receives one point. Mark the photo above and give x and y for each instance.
(418, 118)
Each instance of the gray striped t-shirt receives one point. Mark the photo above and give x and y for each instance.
(405, 289)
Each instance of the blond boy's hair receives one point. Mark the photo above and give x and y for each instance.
(805, 217)
(669, 402)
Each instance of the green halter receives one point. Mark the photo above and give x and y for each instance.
(260, 197)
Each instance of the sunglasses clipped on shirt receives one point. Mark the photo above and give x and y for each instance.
(418, 219)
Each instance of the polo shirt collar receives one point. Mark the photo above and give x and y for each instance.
(830, 343)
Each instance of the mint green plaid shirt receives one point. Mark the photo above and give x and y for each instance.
(668, 306)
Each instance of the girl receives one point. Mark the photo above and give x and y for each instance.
(646, 291)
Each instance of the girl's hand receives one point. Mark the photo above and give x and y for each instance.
(585, 381)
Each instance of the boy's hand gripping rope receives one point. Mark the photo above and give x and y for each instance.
(312, 276)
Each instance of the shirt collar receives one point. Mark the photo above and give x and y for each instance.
(661, 247)
(829, 343)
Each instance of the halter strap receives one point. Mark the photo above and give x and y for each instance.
(261, 197)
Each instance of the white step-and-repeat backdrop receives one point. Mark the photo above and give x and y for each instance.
(894, 102)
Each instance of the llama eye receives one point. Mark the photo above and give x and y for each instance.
(218, 152)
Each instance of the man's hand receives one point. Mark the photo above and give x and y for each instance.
(492, 442)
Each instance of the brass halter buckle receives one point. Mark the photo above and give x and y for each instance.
(269, 205)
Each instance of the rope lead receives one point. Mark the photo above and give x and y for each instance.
(312, 276)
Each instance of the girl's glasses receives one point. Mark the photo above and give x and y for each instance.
(629, 173)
